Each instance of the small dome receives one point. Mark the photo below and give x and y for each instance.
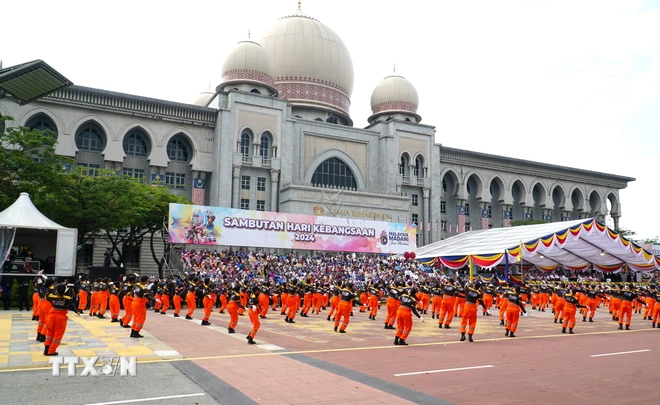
(395, 94)
(204, 98)
(248, 62)
(313, 66)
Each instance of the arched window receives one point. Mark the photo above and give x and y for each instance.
(256, 91)
(264, 146)
(246, 140)
(89, 138)
(42, 122)
(177, 151)
(334, 172)
(135, 145)
(418, 167)
(402, 166)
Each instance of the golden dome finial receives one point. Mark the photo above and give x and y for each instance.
(248, 33)
(299, 5)
(394, 69)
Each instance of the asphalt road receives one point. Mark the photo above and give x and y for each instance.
(155, 383)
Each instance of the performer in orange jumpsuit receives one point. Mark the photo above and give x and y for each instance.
(473, 297)
(139, 304)
(447, 309)
(191, 300)
(560, 301)
(392, 305)
(37, 283)
(489, 296)
(373, 303)
(47, 287)
(177, 300)
(570, 307)
(114, 302)
(404, 314)
(264, 302)
(615, 299)
(83, 294)
(513, 309)
(293, 303)
(655, 318)
(102, 298)
(94, 304)
(593, 299)
(307, 301)
(165, 296)
(436, 301)
(127, 300)
(459, 301)
(334, 303)
(253, 313)
(346, 295)
(208, 291)
(233, 306)
(61, 302)
(628, 297)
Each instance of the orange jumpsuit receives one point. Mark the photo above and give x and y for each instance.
(177, 303)
(513, 309)
(191, 302)
(114, 304)
(436, 302)
(404, 320)
(232, 307)
(472, 298)
(82, 299)
(447, 308)
(373, 303)
(570, 308)
(392, 305)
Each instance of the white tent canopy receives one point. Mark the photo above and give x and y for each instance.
(22, 214)
(573, 244)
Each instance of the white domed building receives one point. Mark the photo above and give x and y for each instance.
(279, 137)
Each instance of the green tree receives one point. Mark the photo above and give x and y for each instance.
(27, 161)
(651, 241)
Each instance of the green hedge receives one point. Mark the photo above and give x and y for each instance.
(14, 295)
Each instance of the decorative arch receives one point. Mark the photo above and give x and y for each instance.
(454, 176)
(131, 141)
(188, 136)
(577, 205)
(481, 192)
(562, 198)
(544, 193)
(264, 149)
(41, 110)
(404, 163)
(614, 202)
(345, 158)
(84, 120)
(501, 185)
(255, 91)
(419, 162)
(598, 200)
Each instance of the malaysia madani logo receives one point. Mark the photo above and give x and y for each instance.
(383, 238)
(318, 210)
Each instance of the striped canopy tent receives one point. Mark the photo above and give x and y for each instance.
(576, 245)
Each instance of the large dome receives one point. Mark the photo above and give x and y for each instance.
(394, 95)
(248, 62)
(312, 65)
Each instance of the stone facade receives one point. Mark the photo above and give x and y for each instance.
(400, 173)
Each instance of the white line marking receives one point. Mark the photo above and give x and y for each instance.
(443, 371)
(617, 353)
(128, 401)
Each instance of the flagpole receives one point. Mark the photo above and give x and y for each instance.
(506, 265)
(470, 258)
(521, 260)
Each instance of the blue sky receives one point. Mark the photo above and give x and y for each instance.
(575, 83)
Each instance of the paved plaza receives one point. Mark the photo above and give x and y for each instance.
(182, 362)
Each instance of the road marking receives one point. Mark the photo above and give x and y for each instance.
(343, 349)
(166, 353)
(617, 353)
(128, 401)
(443, 371)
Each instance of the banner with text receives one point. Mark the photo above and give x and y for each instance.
(202, 225)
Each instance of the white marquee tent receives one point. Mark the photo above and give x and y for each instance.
(22, 214)
(576, 245)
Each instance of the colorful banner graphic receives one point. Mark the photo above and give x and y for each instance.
(202, 225)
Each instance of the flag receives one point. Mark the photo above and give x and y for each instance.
(484, 219)
(198, 193)
(507, 218)
(519, 259)
(421, 226)
(428, 226)
(460, 225)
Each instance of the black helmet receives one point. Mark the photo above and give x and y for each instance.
(60, 288)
